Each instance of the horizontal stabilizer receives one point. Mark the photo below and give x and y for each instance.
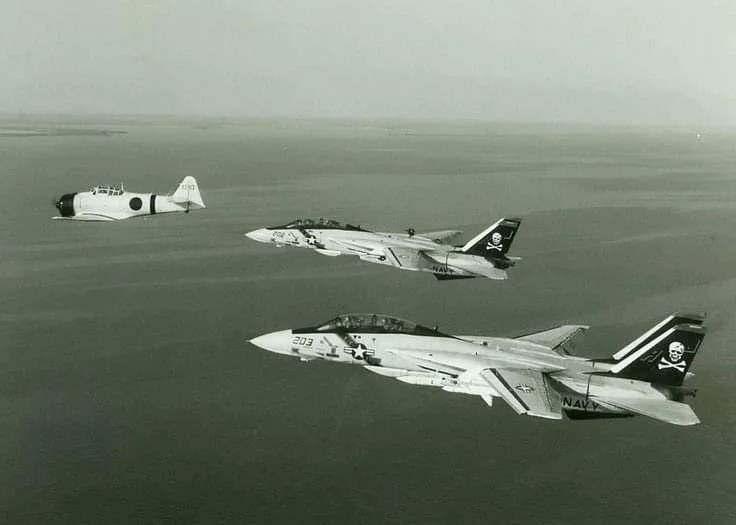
(659, 409)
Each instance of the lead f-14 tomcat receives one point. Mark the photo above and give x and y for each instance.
(482, 256)
(109, 203)
(535, 373)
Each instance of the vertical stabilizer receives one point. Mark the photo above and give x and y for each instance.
(495, 240)
(657, 330)
(188, 194)
(665, 359)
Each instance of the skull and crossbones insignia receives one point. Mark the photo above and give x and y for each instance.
(494, 243)
(524, 388)
(675, 352)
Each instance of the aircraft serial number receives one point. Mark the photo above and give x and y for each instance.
(303, 341)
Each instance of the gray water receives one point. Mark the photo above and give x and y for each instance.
(128, 392)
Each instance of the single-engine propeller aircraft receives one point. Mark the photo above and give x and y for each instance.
(535, 374)
(482, 256)
(109, 203)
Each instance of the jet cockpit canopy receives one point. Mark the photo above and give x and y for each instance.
(377, 323)
(318, 224)
(112, 191)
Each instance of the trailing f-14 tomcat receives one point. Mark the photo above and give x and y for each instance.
(482, 256)
(109, 203)
(535, 373)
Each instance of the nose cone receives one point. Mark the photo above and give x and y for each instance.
(65, 205)
(277, 342)
(262, 235)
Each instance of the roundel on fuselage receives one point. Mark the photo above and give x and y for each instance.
(136, 203)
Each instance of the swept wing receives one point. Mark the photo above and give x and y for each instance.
(400, 257)
(559, 339)
(442, 236)
(526, 391)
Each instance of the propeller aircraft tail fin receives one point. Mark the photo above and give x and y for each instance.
(188, 193)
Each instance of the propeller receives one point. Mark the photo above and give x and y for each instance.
(65, 204)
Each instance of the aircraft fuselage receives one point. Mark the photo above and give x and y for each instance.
(92, 207)
(110, 203)
(407, 252)
(453, 363)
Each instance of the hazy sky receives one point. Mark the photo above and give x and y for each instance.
(654, 62)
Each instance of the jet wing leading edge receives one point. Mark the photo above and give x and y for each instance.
(526, 391)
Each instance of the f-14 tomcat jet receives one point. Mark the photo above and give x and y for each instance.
(482, 256)
(109, 203)
(535, 373)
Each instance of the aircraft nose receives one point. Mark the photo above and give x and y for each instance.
(65, 204)
(261, 235)
(278, 342)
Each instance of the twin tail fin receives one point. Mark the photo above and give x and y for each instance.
(494, 242)
(657, 330)
(665, 359)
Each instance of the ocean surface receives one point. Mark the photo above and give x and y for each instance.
(129, 393)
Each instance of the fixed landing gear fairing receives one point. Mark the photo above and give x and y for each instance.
(482, 256)
(534, 374)
(109, 203)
